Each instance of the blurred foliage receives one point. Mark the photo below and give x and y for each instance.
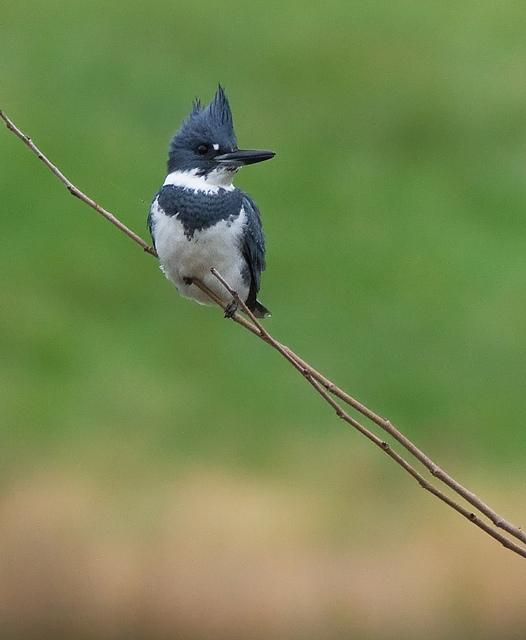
(394, 215)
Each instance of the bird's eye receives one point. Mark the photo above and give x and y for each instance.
(202, 149)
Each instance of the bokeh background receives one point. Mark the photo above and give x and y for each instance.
(163, 473)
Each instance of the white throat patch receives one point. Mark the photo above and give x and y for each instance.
(219, 178)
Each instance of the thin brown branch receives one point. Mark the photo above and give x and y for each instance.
(385, 424)
(75, 191)
(435, 470)
(306, 372)
(322, 385)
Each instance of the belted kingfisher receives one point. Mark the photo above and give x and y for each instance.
(199, 220)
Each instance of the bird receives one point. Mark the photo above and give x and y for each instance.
(199, 220)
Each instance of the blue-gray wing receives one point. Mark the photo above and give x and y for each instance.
(149, 222)
(253, 247)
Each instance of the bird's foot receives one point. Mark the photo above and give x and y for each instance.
(231, 309)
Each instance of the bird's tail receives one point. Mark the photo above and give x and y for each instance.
(260, 311)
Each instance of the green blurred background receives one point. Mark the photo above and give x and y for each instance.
(166, 475)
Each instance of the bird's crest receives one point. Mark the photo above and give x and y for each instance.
(211, 124)
(219, 109)
(213, 119)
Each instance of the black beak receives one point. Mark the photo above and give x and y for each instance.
(242, 157)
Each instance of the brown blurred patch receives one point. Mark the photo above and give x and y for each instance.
(218, 554)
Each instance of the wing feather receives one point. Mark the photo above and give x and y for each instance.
(253, 247)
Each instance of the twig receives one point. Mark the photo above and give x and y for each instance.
(435, 470)
(385, 424)
(322, 385)
(75, 191)
(308, 373)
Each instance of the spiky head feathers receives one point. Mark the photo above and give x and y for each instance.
(205, 126)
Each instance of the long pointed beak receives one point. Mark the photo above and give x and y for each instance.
(242, 157)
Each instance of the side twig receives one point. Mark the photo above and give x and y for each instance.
(321, 384)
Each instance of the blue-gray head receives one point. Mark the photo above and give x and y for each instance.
(206, 141)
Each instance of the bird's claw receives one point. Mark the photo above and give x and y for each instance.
(231, 309)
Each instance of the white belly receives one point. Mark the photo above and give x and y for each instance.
(182, 257)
